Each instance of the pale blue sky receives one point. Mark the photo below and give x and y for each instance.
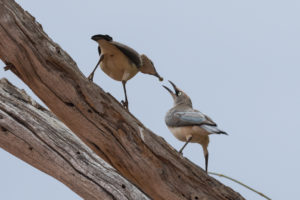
(238, 60)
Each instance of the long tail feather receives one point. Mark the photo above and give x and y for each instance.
(213, 129)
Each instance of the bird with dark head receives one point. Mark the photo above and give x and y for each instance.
(99, 37)
(121, 62)
(188, 124)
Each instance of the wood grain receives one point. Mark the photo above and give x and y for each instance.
(97, 118)
(35, 135)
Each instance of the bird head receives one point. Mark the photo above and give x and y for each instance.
(179, 96)
(101, 37)
(147, 67)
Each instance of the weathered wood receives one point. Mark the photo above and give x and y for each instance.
(35, 135)
(97, 118)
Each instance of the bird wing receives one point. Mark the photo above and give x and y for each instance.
(213, 129)
(129, 52)
(193, 118)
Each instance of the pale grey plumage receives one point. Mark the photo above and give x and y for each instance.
(180, 116)
(188, 124)
(183, 114)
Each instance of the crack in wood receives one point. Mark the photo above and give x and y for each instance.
(30, 48)
(70, 104)
(3, 129)
(106, 158)
(24, 124)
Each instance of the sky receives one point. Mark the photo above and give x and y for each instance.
(237, 60)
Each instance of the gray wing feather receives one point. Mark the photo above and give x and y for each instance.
(193, 118)
(129, 52)
(213, 129)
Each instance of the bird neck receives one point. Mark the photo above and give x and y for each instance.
(183, 105)
(147, 66)
(105, 46)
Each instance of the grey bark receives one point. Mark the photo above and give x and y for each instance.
(35, 135)
(142, 157)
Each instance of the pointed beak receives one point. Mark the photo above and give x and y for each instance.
(159, 77)
(170, 91)
(175, 88)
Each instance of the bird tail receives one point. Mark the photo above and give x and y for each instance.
(213, 129)
(223, 132)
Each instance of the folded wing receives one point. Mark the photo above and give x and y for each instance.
(192, 118)
(129, 52)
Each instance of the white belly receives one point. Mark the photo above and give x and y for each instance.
(198, 134)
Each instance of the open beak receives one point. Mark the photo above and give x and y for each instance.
(170, 91)
(175, 88)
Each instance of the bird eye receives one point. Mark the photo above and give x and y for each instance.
(179, 93)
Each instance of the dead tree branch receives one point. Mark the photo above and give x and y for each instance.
(35, 135)
(96, 118)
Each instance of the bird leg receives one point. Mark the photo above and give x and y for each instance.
(206, 161)
(188, 140)
(125, 103)
(205, 151)
(91, 76)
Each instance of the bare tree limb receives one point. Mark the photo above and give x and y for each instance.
(97, 118)
(33, 134)
(242, 184)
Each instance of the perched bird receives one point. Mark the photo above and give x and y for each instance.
(121, 62)
(188, 124)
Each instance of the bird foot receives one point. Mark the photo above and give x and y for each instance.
(9, 66)
(91, 77)
(125, 104)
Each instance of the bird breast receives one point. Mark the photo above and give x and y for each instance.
(115, 64)
(198, 134)
(117, 67)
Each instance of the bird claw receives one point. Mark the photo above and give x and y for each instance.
(90, 77)
(124, 104)
(9, 66)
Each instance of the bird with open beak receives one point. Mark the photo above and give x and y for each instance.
(121, 62)
(188, 124)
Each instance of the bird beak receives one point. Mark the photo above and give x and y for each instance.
(175, 88)
(159, 77)
(170, 91)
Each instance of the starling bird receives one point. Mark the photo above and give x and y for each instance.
(188, 124)
(121, 62)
